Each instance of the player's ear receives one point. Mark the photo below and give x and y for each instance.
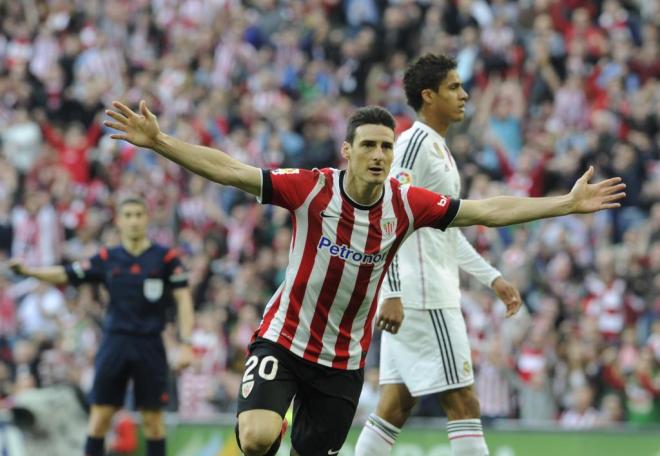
(427, 95)
(346, 150)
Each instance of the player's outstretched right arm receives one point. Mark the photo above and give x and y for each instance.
(142, 130)
(584, 198)
(51, 274)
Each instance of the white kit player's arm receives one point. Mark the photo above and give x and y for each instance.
(408, 167)
(391, 287)
(473, 263)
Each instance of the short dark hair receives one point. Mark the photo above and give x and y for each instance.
(427, 72)
(368, 115)
(132, 200)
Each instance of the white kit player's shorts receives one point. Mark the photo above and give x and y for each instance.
(429, 354)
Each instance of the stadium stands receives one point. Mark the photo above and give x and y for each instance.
(554, 85)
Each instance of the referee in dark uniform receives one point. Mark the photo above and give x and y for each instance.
(140, 277)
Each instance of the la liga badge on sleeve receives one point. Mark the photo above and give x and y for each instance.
(404, 177)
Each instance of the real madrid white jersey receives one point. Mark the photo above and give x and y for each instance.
(425, 270)
(339, 255)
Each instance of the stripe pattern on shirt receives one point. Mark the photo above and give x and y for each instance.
(412, 150)
(324, 310)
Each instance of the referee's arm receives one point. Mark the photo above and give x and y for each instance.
(185, 313)
(55, 275)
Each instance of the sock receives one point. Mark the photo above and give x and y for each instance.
(377, 437)
(95, 446)
(466, 438)
(156, 447)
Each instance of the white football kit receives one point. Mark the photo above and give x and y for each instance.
(431, 352)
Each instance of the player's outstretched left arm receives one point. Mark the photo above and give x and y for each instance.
(141, 129)
(584, 198)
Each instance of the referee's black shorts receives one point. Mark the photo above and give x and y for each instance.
(123, 357)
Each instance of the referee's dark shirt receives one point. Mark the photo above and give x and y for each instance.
(139, 286)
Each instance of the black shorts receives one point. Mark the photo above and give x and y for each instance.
(124, 357)
(325, 398)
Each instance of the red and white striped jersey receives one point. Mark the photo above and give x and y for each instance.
(340, 251)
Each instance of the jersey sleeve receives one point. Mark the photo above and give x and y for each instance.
(391, 287)
(287, 187)
(409, 165)
(473, 263)
(176, 275)
(431, 209)
(89, 270)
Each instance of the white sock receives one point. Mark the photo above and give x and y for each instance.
(466, 438)
(377, 437)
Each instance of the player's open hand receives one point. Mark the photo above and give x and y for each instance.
(586, 197)
(508, 294)
(140, 129)
(390, 316)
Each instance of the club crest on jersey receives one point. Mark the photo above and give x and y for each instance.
(246, 388)
(404, 177)
(388, 228)
(466, 368)
(153, 289)
(286, 171)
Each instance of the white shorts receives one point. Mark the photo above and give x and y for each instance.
(429, 354)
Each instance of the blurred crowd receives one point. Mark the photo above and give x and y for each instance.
(554, 85)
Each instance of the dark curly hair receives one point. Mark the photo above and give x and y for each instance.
(427, 72)
(368, 115)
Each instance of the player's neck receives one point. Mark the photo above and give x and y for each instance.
(135, 246)
(434, 122)
(363, 193)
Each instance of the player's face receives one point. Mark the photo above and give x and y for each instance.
(448, 102)
(132, 221)
(370, 156)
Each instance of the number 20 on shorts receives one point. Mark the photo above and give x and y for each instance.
(267, 370)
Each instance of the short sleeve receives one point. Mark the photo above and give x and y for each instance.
(409, 165)
(176, 274)
(431, 209)
(287, 187)
(89, 270)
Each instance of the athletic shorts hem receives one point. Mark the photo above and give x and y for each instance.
(391, 381)
(440, 388)
(108, 403)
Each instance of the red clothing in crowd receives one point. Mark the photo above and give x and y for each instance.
(73, 158)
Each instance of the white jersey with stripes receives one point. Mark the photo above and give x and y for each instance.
(339, 254)
(425, 270)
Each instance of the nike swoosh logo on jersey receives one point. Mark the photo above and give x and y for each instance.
(326, 215)
(333, 452)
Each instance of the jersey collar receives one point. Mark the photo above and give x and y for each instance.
(353, 203)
